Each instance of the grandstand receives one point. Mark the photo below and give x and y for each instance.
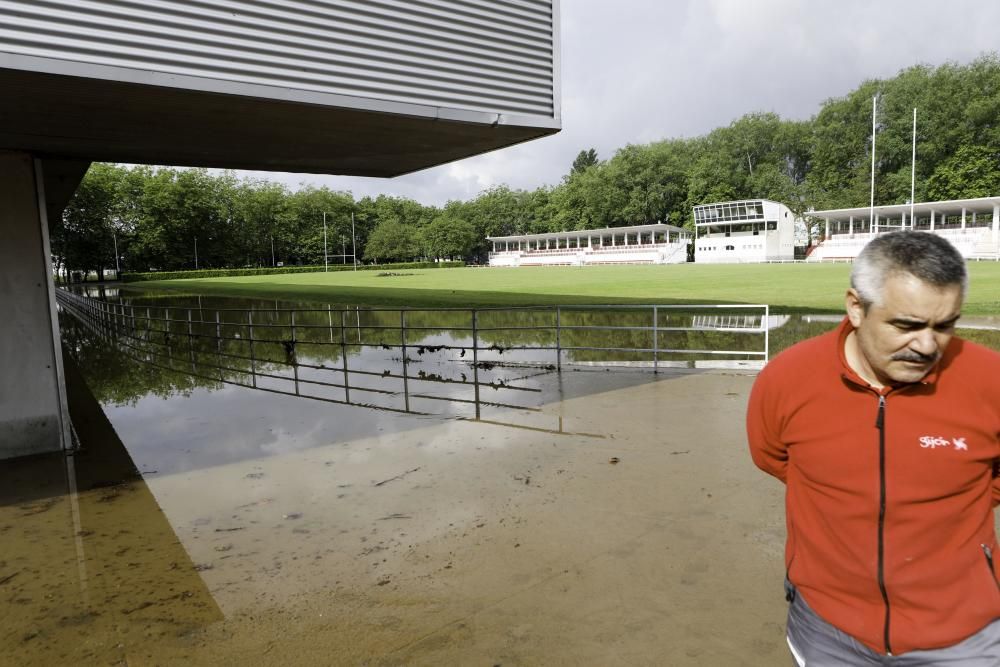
(972, 225)
(754, 230)
(638, 244)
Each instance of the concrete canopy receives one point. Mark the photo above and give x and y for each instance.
(52, 115)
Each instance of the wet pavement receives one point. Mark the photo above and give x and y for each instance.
(449, 542)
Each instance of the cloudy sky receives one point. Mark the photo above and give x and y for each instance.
(637, 71)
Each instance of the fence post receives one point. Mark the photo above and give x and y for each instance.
(253, 357)
(767, 334)
(218, 345)
(475, 357)
(166, 336)
(329, 319)
(294, 356)
(191, 342)
(558, 339)
(402, 340)
(343, 353)
(656, 342)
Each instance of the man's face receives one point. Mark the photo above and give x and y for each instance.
(901, 339)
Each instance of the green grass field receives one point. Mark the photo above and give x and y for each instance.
(785, 287)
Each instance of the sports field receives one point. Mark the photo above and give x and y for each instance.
(785, 287)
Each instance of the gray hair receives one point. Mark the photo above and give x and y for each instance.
(928, 257)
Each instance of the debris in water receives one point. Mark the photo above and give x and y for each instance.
(400, 476)
(291, 516)
(613, 460)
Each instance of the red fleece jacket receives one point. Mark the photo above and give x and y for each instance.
(889, 494)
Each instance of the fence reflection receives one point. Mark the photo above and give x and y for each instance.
(419, 361)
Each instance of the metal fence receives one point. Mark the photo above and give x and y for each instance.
(347, 355)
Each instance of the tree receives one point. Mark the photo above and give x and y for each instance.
(392, 240)
(84, 238)
(448, 238)
(974, 171)
(307, 208)
(584, 160)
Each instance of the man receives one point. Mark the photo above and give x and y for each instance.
(886, 433)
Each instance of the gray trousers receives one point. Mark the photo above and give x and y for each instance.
(816, 643)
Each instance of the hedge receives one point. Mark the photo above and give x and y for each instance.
(263, 271)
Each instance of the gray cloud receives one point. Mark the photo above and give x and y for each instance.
(639, 71)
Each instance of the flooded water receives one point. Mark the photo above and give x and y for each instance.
(386, 500)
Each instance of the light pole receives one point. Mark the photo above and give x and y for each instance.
(196, 253)
(326, 260)
(118, 271)
(354, 243)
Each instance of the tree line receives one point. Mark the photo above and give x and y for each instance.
(158, 215)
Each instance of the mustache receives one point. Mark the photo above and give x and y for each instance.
(915, 357)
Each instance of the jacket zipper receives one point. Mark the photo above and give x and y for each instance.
(989, 561)
(880, 425)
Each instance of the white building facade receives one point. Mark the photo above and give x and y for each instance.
(638, 244)
(750, 230)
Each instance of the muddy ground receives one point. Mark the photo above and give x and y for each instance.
(641, 534)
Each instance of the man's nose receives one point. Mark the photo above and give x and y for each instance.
(924, 343)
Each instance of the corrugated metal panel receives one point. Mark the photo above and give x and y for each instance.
(460, 54)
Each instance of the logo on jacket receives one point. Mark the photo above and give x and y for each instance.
(933, 442)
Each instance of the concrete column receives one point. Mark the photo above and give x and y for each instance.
(902, 224)
(932, 221)
(826, 232)
(851, 226)
(963, 218)
(33, 414)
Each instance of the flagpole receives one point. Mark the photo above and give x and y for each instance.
(913, 166)
(871, 206)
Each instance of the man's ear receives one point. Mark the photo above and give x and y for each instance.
(855, 308)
